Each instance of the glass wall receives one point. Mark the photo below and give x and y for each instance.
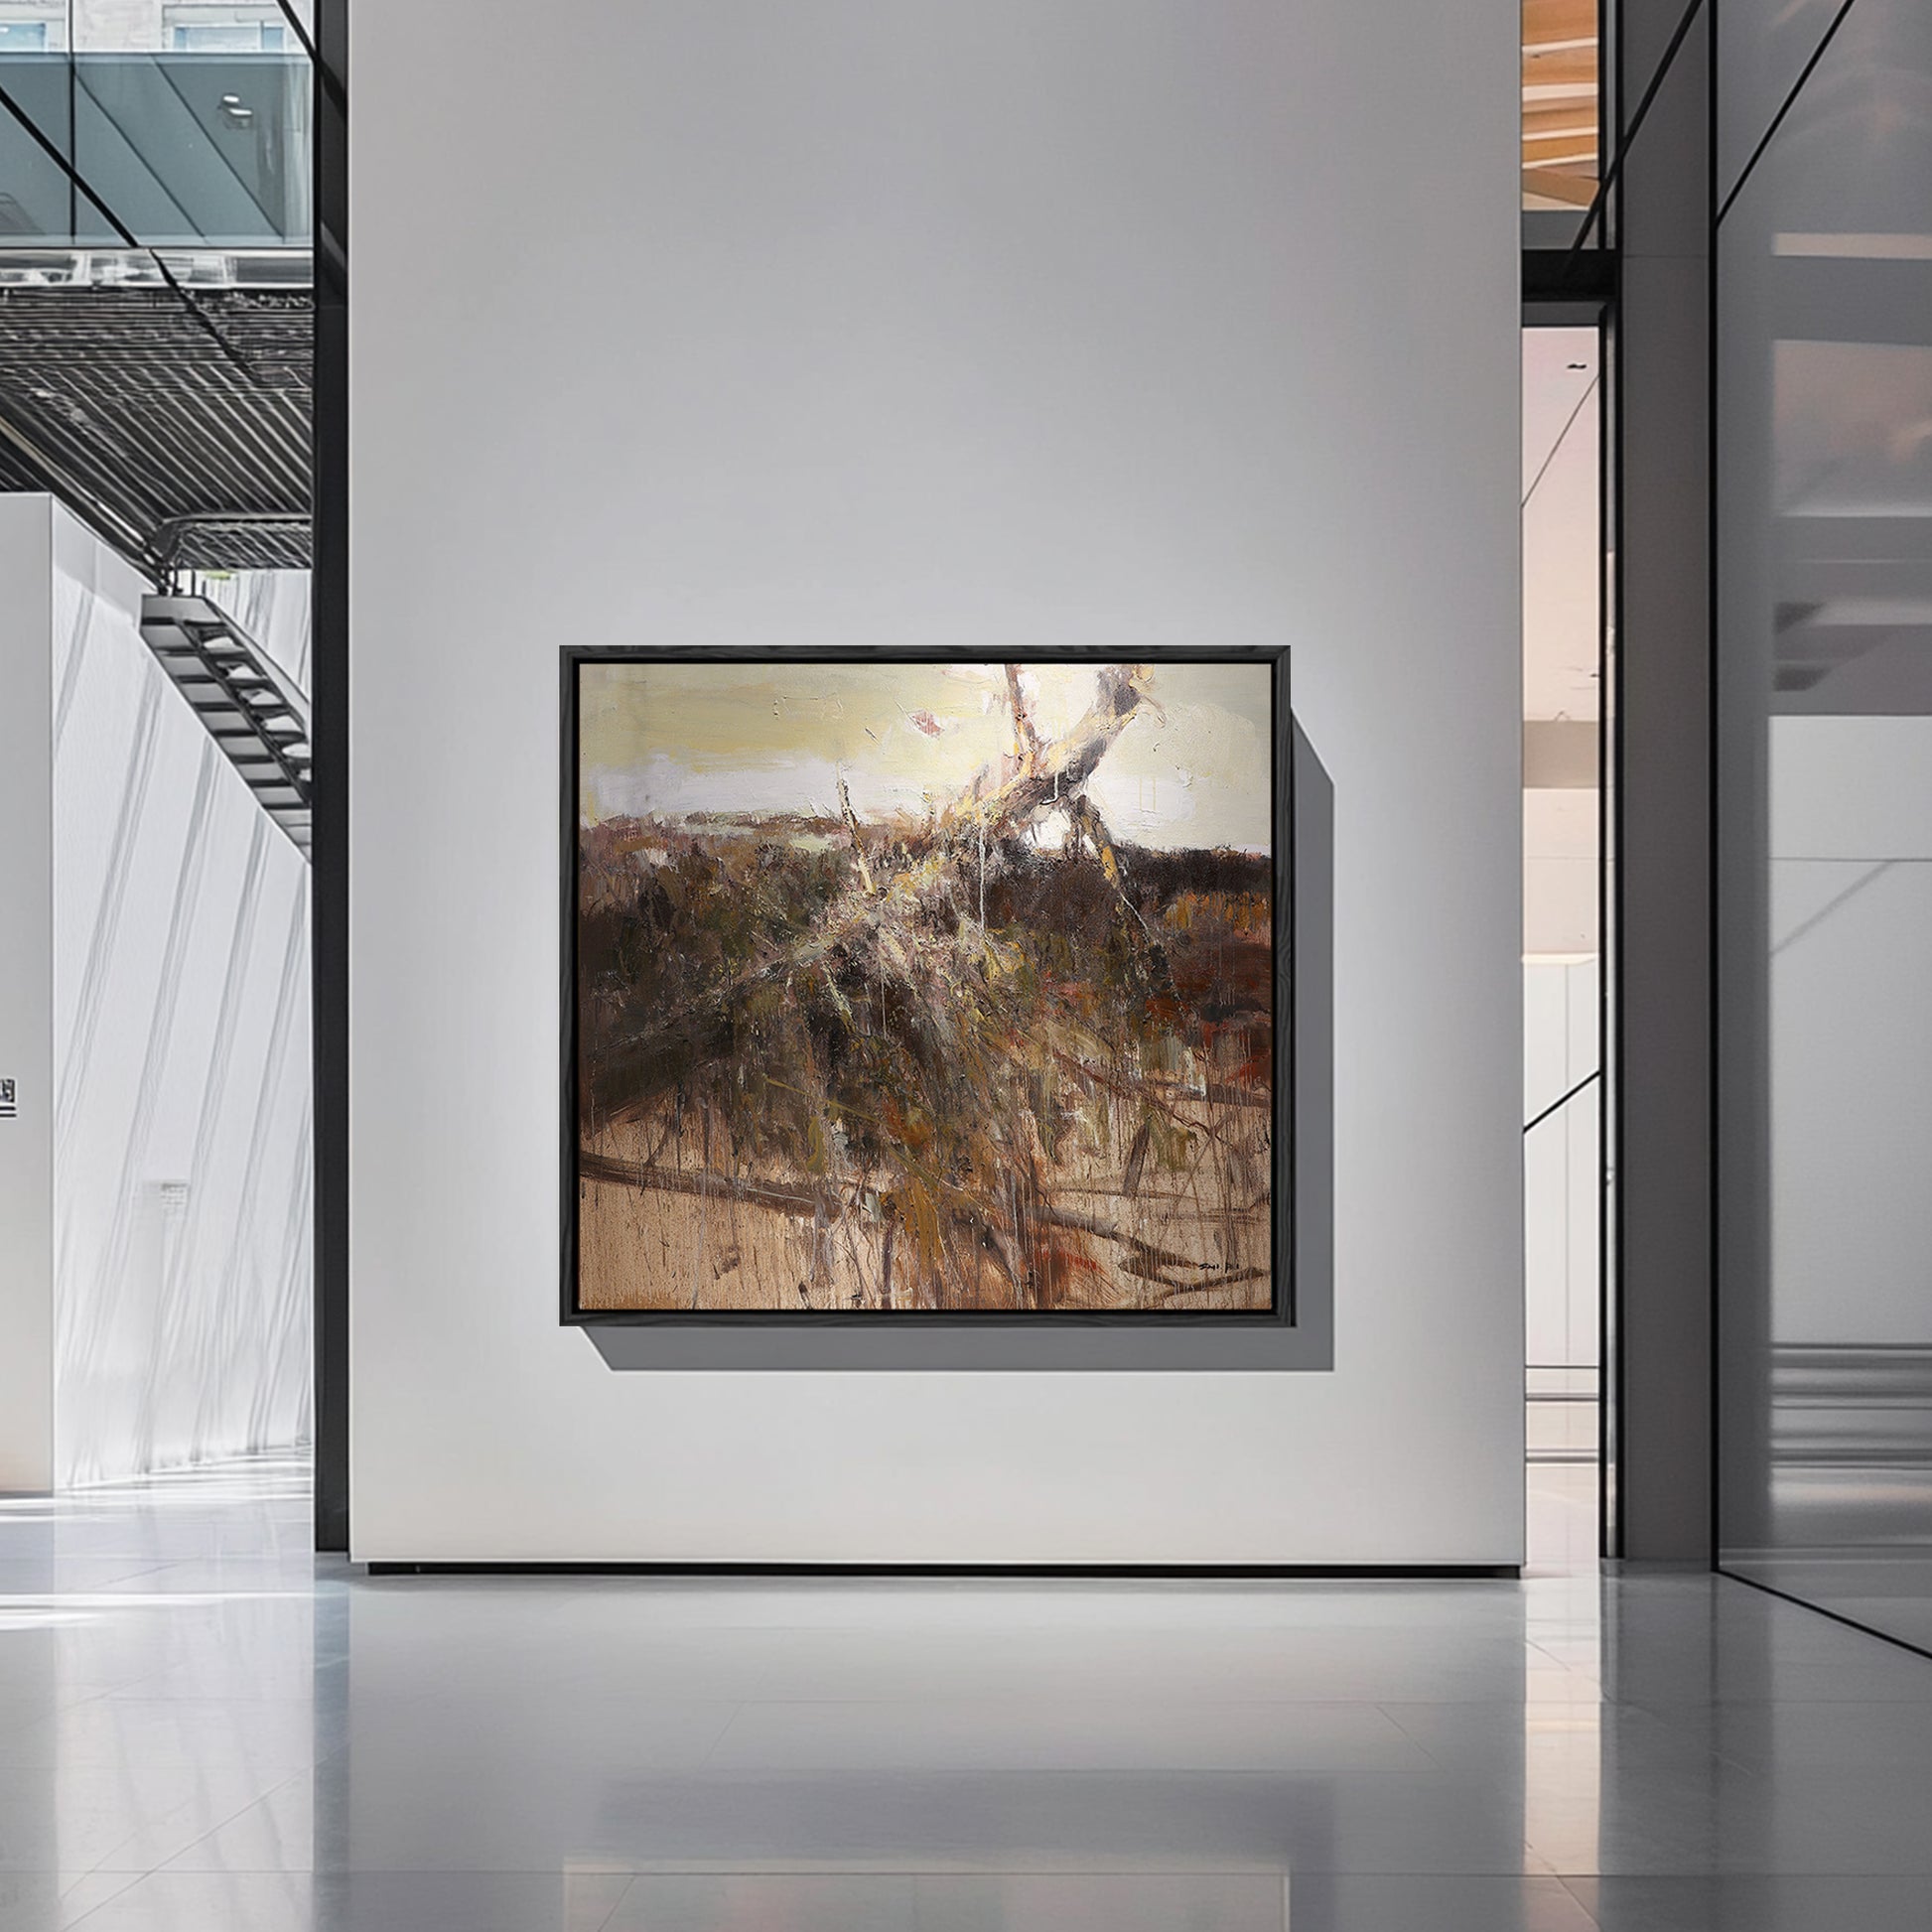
(187, 118)
(1825, 805)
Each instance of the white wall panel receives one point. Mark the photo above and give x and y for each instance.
(1073, 322)
(25, 1001)
(180, 1036)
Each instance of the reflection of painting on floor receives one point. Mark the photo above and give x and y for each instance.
(925, 986)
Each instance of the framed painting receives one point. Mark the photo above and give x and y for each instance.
(925, 989)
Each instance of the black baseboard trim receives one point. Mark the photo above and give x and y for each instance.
(1428, 1573)
(1818, 1609)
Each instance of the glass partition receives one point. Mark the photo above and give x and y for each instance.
(1824, 809)
(1762, 47)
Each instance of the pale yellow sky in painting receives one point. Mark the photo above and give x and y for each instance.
(1191, 769)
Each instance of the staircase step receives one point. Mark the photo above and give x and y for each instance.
(252, 711)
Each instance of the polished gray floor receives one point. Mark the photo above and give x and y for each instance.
(202, 1729)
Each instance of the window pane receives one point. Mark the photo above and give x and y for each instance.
(219, 39)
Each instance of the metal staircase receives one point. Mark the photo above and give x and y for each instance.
(251, 708)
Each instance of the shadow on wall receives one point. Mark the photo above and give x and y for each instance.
(1307, 1345)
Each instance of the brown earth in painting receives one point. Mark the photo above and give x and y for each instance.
(938, 1065)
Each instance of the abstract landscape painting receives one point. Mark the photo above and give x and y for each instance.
(915, 988)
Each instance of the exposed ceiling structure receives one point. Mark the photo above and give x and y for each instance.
(1559, 102)
(181, 433)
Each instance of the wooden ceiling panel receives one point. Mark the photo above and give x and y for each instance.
(1549, 23)
(1560, 117)
(1553, 186)
(1563, 66)
(1574, 157)
(1559, 99)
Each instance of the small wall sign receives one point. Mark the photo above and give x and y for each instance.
(9, 1106)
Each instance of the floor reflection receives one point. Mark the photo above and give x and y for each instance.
(201, 1727)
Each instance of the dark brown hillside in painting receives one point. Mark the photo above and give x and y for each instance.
(981, 1059)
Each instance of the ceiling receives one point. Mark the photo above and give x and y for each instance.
(1560, 96)
(181, 435)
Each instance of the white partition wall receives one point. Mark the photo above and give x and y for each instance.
(181, 953)
(161, 931)
(26, 999)
(1111, 322)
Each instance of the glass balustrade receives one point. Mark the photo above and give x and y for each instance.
(187, 149)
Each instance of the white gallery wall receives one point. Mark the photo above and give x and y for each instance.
(26, 998)
(175, 1107)
(1113, 323)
